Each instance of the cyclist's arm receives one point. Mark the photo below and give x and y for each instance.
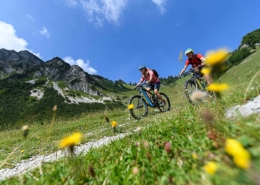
(151, 77)
(203, 59)
(141, 81)
(183, 70)
(137, 85)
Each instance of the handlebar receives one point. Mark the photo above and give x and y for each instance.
(142, 86)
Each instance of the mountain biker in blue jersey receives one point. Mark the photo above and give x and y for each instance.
(152, 82)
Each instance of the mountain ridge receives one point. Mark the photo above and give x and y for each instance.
(30, 87)
(56, 69)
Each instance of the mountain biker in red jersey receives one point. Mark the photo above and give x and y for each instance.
(152, 82)
(198, 62)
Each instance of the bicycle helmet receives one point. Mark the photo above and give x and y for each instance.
(188, 51)
(142, 67)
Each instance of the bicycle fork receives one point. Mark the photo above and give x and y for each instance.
(140, 101)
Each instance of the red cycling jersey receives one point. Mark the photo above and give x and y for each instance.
(195, 61)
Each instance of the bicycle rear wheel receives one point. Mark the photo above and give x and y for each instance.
(189, 87)
(140, 108)
(167, 106)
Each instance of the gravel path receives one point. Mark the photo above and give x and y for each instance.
(34, 162)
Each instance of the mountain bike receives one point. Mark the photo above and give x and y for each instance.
(196, 82)
(142, 101)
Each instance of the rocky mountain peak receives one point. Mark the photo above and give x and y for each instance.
(57, 62)
(17, 62)
(74, 76)
(8, 55)
(56, 69)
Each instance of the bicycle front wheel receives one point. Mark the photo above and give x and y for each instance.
(139, 107)
(189, 87)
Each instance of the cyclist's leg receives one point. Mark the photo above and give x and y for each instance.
(148, 88)
(156, 90)
(197, 72)
(208, 79)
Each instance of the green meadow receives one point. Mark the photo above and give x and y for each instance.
(163, 148)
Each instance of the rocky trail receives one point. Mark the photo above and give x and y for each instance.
(36, 161)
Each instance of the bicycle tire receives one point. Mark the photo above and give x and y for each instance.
(187, 92)
(133, 113)
(167, 106)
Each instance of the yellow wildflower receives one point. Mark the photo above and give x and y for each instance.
(22, 151)
(114, 123)
(194, 156)
(242, 161)
(71, 140)
(205, 71)
(217, 87)
(240, 155)
(130, 106)
(233, 147)
(216, 57)
(211, 167)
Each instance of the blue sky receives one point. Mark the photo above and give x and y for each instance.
(113, 38)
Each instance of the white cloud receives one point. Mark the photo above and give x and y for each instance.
(99, 10)
(84, 65)
(31, 17)
(71, 3)
(9, 40)
(160, 5)
(44, 32)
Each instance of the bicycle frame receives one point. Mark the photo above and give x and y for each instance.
(144, 92)
(197, 82)
(200, 84)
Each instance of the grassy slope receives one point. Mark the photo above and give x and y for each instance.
(183, 128)
(240, 75)
(15, 98)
